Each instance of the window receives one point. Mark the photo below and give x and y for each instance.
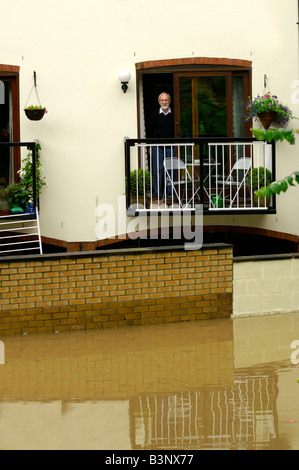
(9, 123)
(201, 107)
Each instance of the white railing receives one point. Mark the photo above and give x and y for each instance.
(219, 175)
(169, 178)
(20, 233)
(236, 171)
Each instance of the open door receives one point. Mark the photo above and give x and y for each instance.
(209, 104)
(9, 129)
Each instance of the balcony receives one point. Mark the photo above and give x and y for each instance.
(219, 174)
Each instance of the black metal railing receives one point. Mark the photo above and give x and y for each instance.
(222, 174)
(20, 230)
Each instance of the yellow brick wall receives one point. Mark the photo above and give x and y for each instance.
(114, 288)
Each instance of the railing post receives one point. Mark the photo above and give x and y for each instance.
(34, 189)
(201, 159)
(273, 172)
(127, 172)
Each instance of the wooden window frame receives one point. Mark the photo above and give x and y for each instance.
(11, 73)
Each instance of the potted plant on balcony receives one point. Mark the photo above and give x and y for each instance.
(4, 204)
(269, 110)
(140, 184)
(20, 195)
(35, 113)
(258, 178)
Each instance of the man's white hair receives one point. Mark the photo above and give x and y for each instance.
(164, 93)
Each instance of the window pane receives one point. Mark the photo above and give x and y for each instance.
(186, 126)
(238, 109)
(203, 106)
(5, 133)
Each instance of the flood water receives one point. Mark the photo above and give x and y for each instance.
(218, 384)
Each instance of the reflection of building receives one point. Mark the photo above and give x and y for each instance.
(241, 416)
(170, 386)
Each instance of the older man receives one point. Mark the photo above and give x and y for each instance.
(161, 126)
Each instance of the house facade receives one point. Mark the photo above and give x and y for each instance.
(209, 56)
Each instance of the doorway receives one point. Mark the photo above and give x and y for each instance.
(6, 164)
(205, 103)
(152, 86)
(9, 129)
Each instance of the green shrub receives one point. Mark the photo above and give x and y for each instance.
(17, 195)
(20, 194)
(142, 180)
(261, 177)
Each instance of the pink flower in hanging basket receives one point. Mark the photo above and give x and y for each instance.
(36, 107)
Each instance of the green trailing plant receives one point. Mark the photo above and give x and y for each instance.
(276, 187)
(258, 178)
(140, 182)
(21, 194)
(270, 135)
(26, 172)
(275, 135)
(279, 186)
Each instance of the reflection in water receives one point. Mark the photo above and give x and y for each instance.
(220, 384)
(240, 416)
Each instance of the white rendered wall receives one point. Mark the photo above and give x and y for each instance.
(77, 50)
(266, 286)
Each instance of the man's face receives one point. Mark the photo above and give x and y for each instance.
(164, 102)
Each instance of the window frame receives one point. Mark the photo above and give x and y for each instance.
(11, 73)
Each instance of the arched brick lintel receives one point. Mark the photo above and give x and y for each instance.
(9, 68)
(193, 61)
(252, 231)
(90, 246)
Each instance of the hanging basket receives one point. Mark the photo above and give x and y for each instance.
(35, 114)
(267, 118)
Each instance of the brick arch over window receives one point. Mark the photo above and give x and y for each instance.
(193, 61)
(9, 68)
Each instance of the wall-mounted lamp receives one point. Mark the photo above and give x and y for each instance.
(124, 77)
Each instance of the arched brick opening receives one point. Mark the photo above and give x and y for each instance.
(283, 242)
(223, 231)
(193, 61)
(9, 68)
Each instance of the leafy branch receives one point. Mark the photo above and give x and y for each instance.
(20, 194)
(275, 135)
(276, 187)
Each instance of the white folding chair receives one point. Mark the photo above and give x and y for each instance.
(179, 179)
(236, 178)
